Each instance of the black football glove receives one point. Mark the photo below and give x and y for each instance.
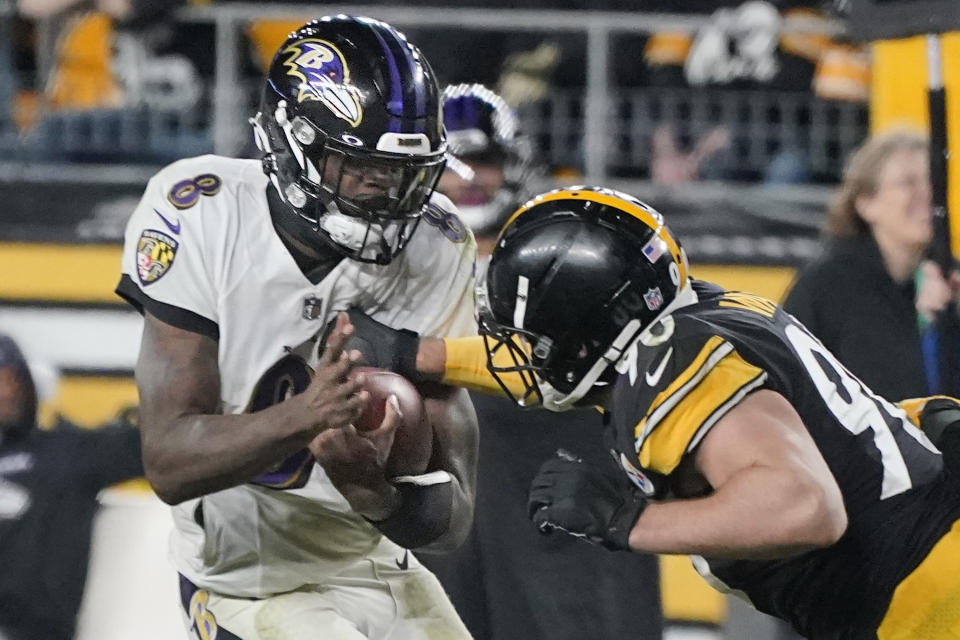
(569, 495)
(940, 420)
(382, 346)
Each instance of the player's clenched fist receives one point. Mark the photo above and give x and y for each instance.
(332, 399)
(571, 496)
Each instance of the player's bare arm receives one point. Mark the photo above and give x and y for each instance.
(774, 495)
(455, 430)
(190, 449)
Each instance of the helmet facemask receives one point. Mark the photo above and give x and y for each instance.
(365, 204)
(558, 378)
(576, 278)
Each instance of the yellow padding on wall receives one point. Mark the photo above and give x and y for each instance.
(90, 401)
(898, 92)
(686, 597)
(768, 282)
(89, 273)
(59, 272)
(899, 98)
(266, 36)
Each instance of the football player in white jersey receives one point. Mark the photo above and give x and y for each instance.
(237, 265)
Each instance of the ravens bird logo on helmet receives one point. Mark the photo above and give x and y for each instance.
(351, 135)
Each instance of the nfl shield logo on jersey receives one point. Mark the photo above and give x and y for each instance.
(312, 308)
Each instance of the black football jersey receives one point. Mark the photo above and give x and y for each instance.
(675, 385)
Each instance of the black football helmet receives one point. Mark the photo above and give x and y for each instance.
(351, 133)
(481, 127)
(577, 275)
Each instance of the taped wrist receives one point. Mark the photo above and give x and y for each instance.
(382, 346)
(425, 510)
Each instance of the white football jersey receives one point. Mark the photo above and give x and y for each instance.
(201, 253)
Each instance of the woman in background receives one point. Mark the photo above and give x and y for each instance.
(872, 293)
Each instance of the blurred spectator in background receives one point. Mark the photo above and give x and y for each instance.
(492, 163)
(670, 164)
(506, 580)
(526, 75)
(49, 481)
(781, 49)
(863, 298)
(113, 91)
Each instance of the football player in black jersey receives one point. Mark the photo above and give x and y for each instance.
(746, 444)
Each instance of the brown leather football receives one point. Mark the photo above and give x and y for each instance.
(413, 442)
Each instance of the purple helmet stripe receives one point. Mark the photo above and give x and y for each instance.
(395, 102)
(419, 99)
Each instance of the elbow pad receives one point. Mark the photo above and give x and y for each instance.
(424, 513)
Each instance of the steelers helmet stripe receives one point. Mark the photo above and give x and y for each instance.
(617, 200)
(520, 312)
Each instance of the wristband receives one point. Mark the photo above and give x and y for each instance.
(425, 510)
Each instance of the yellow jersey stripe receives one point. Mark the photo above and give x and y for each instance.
(720, 411)
(59, 272)
(711, 352)
(654, 221)
(926, 604)
(704, 403)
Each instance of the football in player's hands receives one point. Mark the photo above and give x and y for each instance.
(413, 441)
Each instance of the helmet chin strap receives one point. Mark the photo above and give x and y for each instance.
(555, 400)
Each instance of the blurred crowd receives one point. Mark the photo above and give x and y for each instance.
(131, 81)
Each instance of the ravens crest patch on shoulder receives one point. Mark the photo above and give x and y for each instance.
(155, 253)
